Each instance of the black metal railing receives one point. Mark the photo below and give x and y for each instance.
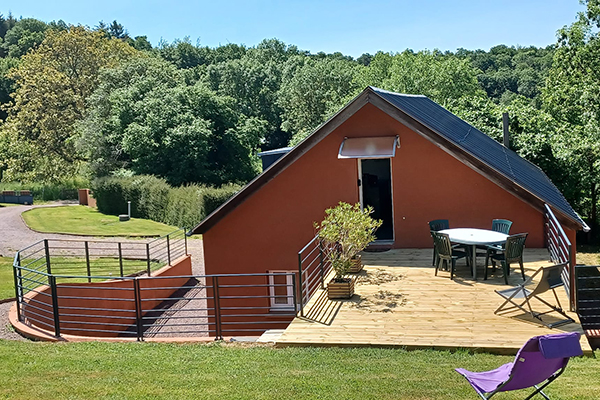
(313, 268)
(102, 258)
(559, 247)
(152, 307)
(588, 296)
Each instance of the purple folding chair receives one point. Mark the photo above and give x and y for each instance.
(542, 358)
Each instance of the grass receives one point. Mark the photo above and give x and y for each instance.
(31, 370)
(8, 205)
(7, 287)
(82, 220)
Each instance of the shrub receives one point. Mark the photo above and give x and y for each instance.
(346, 231)
(214, 197)
(184, 206)
(152, 198)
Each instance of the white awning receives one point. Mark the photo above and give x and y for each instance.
(369, 147)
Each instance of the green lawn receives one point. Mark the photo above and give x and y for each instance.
(82, 220)
(7, 287)
(31, 370)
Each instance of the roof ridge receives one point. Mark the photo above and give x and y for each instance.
(376, 89)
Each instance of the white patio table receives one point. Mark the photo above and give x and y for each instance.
(474, 237)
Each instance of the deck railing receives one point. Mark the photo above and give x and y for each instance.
(560, 248)
(313, 268)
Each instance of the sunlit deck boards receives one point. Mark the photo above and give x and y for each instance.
(399, 302)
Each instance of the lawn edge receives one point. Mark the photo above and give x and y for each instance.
(83, 234)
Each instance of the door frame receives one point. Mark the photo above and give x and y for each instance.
(360, 197)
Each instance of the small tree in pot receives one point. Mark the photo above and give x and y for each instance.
(345, 231)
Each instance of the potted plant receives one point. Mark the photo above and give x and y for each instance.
(346, 230)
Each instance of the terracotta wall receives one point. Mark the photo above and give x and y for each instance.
(270, 227)
(102, 299)
(266, 231)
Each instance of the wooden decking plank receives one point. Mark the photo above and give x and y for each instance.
(399, 302)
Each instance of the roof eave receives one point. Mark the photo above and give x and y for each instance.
(277, 167)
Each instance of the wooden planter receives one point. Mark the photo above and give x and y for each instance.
(357, 264)
(340, 290)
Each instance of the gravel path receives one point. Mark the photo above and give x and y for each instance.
(14, 235)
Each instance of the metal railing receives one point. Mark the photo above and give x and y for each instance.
(160, 306)
(587, 279)
(102, 258)
(559, 247)
(313, 268)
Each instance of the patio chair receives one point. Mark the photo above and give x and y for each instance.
(511, 252)
(541, 360)
(445, 253)
(498, 225)
(501, 225)
(437, 225)
(549, 279)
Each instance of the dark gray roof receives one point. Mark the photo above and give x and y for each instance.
(494, 160)
(505, 161)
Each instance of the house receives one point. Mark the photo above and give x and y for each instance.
(407, 156)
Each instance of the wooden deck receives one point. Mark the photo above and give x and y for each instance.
(399, 302)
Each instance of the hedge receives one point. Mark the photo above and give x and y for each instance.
(153, 198)
(64, 190)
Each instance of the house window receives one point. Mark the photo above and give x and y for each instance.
(281, 290)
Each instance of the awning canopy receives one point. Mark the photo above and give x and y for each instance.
(369, 147)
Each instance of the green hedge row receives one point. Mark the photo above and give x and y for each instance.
(65, 190)
(153, 198)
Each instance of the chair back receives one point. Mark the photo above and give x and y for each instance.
(514, 247)
(501, 225)
(540, 357)
(439, 224)
(550, 279)
(441, 242)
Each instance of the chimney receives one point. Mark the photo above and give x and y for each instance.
(505, 130)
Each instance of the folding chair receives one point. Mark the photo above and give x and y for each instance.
(542, 359)
(550, 279)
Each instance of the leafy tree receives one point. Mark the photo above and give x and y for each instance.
(433, 74)
(314, 89)
(52, 84)
(572, 95)
(183, 54)
(24, 35)
(140, 43)
(146, 118)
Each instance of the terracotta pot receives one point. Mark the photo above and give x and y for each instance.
(340, 290)
(357, 264)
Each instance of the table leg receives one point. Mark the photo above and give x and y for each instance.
(474, 262)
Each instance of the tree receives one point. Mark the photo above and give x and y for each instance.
(24, 35)
(146, 118)
(572, 96)
(52, 84)
(312, 90)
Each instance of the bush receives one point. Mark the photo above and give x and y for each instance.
(214, 197)
(185, 206)
(64, 190)
(152, 198)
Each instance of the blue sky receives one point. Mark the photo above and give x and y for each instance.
(351, 27)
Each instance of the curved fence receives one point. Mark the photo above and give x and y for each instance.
(142, 290)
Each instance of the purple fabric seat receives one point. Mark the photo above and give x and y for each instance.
(542, 358)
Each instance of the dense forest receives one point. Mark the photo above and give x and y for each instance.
(94, 102)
